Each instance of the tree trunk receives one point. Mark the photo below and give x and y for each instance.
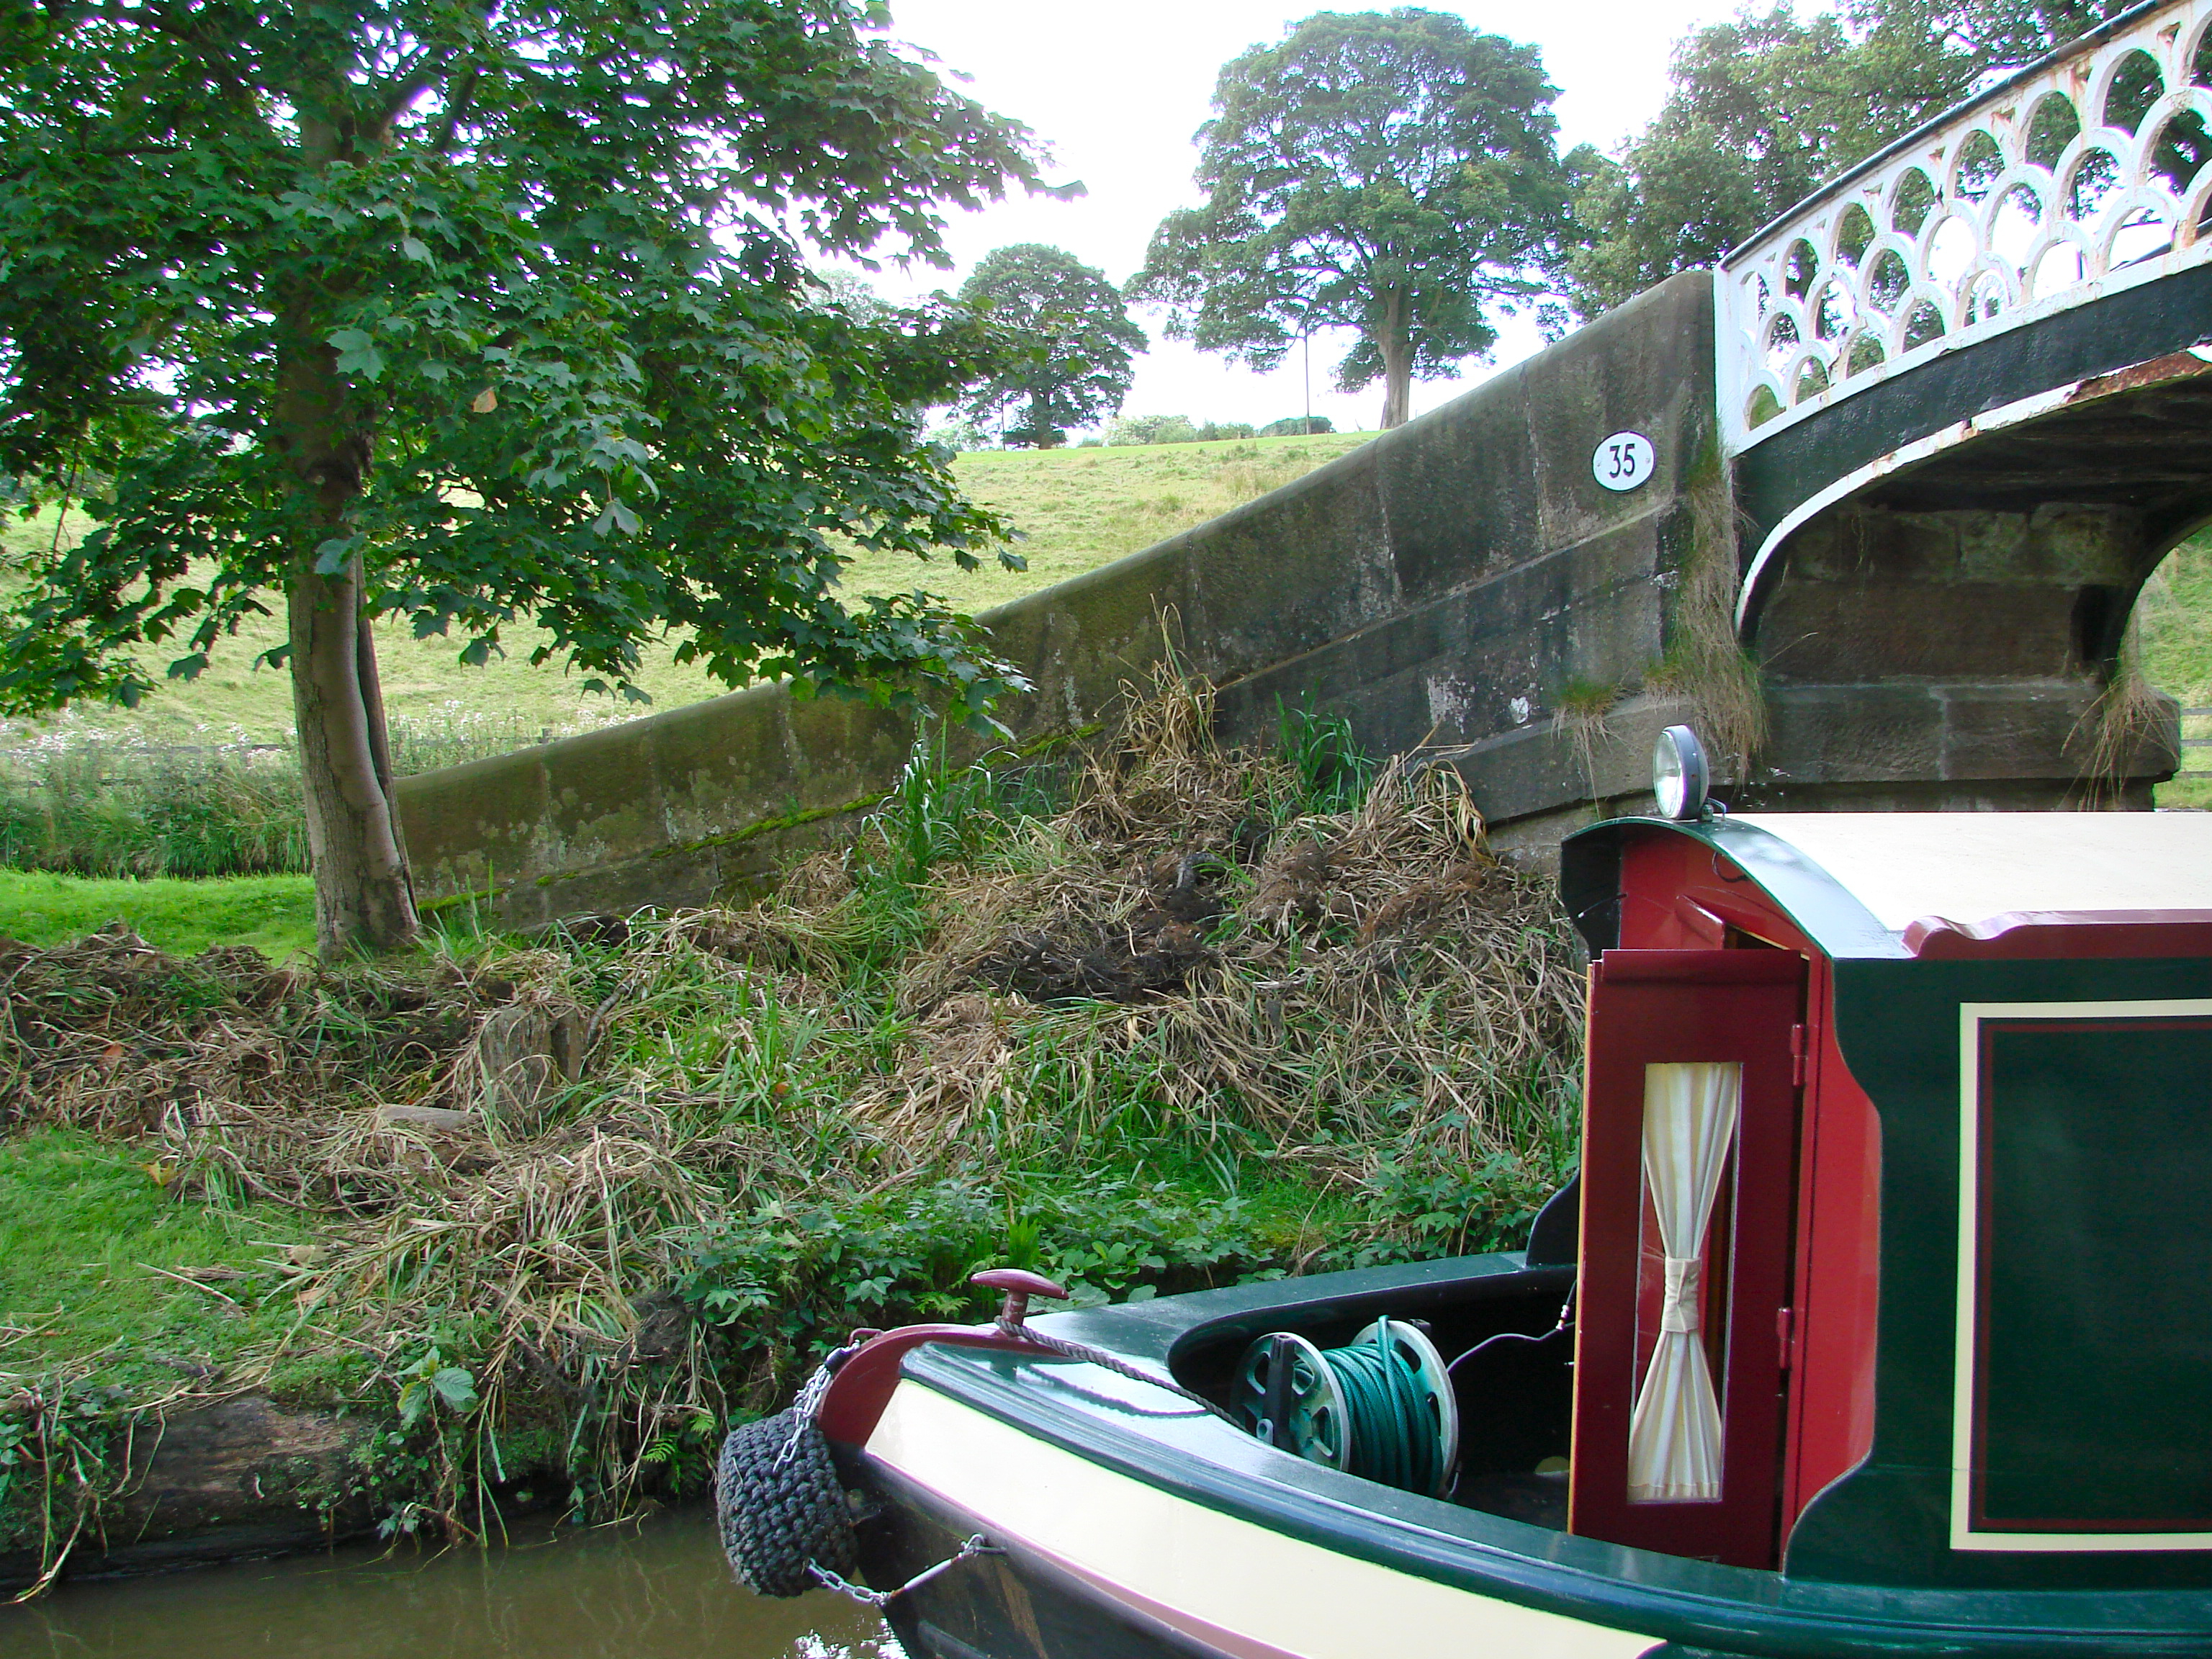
(1397, 362)
(1042, 433)
(363, 896)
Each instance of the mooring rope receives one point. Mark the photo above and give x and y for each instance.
(1120, 1367)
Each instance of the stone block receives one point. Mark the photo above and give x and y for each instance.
(716, 765)
(1853, 732)
(1826, 632)
(1454, 488)
(1444, 583)
(466, 826)
(602, 792)
(1291, 571)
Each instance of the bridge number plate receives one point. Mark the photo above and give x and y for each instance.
(1623, 461)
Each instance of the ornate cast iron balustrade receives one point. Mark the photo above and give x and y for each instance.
(2087, 172)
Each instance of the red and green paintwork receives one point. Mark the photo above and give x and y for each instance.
(2089, 1413)
(1989, 1439)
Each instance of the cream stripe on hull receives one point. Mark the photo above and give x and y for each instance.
(1231, 1583)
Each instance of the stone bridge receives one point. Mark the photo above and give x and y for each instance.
(1908, 455)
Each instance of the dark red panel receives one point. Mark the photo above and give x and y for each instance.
(1678, 894)
(1653, 1007)
(2045, 935)
(1838, 1272)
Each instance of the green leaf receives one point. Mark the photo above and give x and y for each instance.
(358, 353)
(616, 517)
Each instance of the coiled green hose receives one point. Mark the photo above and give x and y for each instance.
(1395, 1439)
(1381, 1408)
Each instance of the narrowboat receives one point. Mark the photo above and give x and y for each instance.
(1878, 1320)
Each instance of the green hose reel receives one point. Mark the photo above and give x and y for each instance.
(1381, 1408)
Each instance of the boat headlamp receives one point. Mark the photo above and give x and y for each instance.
(1679, 775)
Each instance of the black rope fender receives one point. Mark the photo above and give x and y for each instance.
(780, 1506)
(786, 1525)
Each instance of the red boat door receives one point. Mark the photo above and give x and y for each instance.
(1689, 1152)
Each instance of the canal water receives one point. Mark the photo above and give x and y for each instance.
(656, 1590)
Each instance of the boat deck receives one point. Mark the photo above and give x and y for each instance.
(963, 1445)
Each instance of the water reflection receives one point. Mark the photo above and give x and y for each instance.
(655, 1591)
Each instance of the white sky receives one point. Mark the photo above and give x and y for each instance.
(1117, 90)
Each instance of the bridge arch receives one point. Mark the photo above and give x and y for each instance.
(1966, 394)
(1918, 445)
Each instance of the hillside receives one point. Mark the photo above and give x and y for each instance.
(1076, 508)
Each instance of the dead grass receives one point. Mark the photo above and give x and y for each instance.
(2127, 713)
(1183, 968)
(1704, 660)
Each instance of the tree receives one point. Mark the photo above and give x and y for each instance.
(1074, 341)
(478, 314)
(1152, 429)
(1390, 173)
(1766, 106)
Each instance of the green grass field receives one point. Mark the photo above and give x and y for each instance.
(1076, 508)
(275, 914)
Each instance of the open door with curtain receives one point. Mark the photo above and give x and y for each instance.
(1689, 1153)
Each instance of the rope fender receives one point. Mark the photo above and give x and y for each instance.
(785, 1525)
(780, 1506)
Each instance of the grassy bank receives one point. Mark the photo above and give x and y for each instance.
(2174, 617)
(569, 1206)
(93, 800)
(109, 1268)
(273, 915)
(1076, 508)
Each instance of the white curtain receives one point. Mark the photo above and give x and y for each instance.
(1674, 1438)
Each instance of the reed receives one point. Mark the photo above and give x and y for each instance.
(81, 798)
(1183, 1016)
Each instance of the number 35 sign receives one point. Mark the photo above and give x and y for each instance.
(1623, 461)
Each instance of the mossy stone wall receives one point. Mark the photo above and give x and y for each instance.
(1448, 583)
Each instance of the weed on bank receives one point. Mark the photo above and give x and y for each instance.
(550, 1214)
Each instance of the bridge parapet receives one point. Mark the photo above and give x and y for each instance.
(2084, 174)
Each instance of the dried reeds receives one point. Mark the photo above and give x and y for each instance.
(1706, 661)
(2128, 715)
(516, 1154)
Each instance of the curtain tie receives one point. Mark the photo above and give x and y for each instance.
(1678, 1307)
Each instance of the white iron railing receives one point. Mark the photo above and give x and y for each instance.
(2086, 173)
